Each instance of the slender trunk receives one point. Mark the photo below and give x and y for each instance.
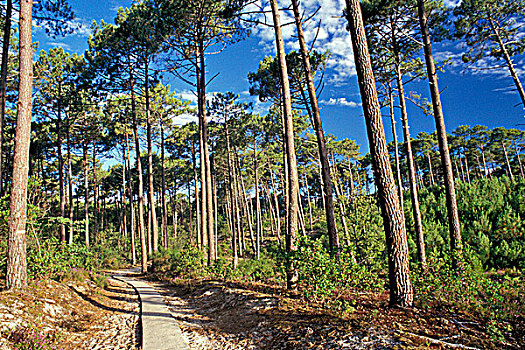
(431, 171)
(508, 60)
(95, 195)
(401, 292)
(467, 171)
(396, 147)
(333, 238)
(197, 205)
(309, 203)
(131, 205)
(450, 191)
(212, 252)
(70, 182)
(16, 276)
(86, 191)
(248, 214)
(270, 209)
(123, 196)
(151, 190)
(234, 209)
(418, 225)
(258, 219)
(175, 204)
(163, 189)
(522, 172)
(142, 233)
(61, 169)
(509, 169)
(3, 84)
(293, 183)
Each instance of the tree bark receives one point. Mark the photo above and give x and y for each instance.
(508, 60)
(197, 205)
(234, 208)
(418, 225)
(396, 148)
(401, 293)
(70, 182)
(212, 253)
(86, 191)
(163, 189)
(258, 219)
(293, 180)
(131, 205)
(333, 237)
(16, 276)
(509, 169)
(143, 248)
(61, 168)
(450, 191)
(151, 188)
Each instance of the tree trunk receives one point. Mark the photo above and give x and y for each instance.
(142, 233)
(151, 189)
(396, 148)
(3, 84)
(401, 293)
(198, 225)
(70, 182)
(293, 181)
(16, 276)
(431, 171)
(450, 191)
(467, 171)
(86, 191)
(418, 225)
(95, 195)
(508, 60)
(131, 205)
(333, 238)
(309, 203)
(163, 189)
(258, 219)
(519, 159)
(509, 169)
(234, 213)
(61, 169)
(212, 252)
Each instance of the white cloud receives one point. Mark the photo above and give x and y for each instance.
(184, 119)
(331, 34)
(341, 101)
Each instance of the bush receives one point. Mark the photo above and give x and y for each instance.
(52, 258)
(323, 276)
(180, 261)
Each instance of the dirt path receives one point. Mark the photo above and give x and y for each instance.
(76, 314)
(217, 315)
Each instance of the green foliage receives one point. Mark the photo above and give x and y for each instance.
(181, 261)
(53, 258)
(493, 295)
(491, 213)
(323, 276)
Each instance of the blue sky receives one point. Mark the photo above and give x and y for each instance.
(469, 97)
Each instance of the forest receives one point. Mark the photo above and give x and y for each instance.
(279, 234)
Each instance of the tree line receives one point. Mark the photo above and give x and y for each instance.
(236, 176)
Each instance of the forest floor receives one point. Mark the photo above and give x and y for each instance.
(224, 315)
(87, 312)
(99, 313)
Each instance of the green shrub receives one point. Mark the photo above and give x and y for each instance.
(52, 258)
(180, 261)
